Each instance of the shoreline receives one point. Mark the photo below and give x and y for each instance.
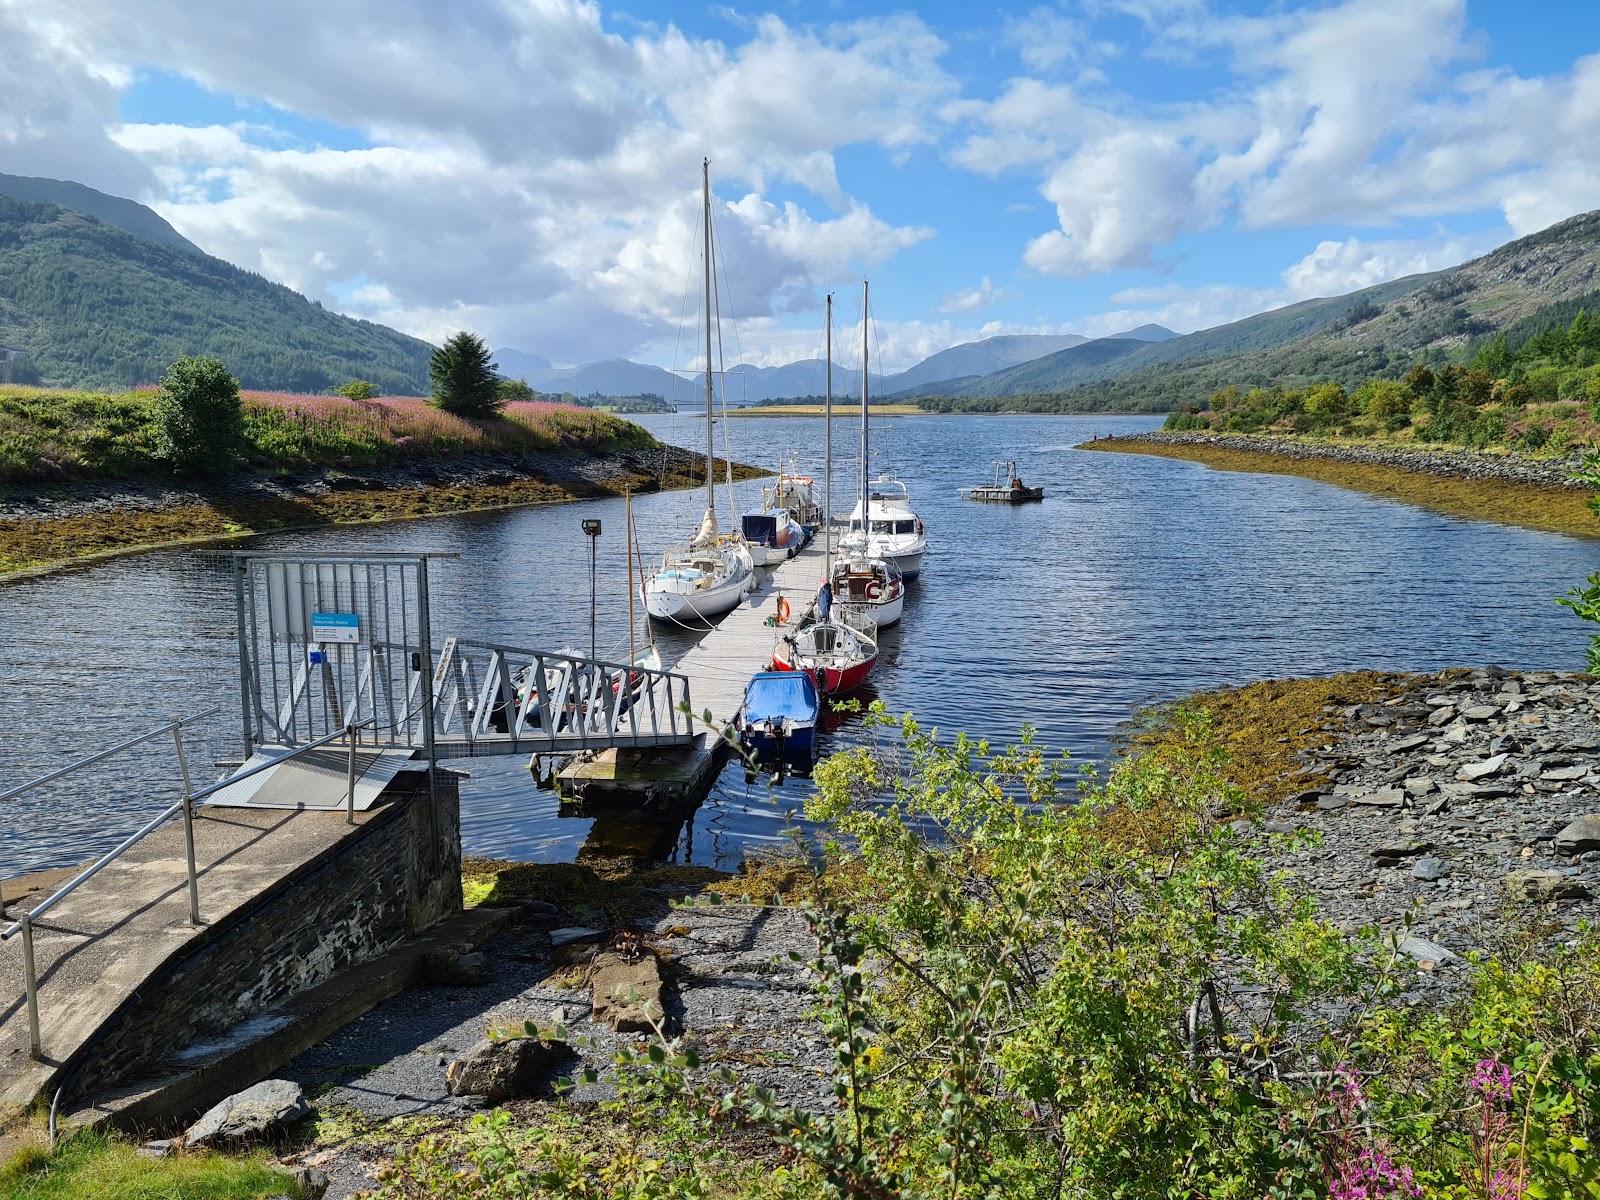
(50, 529)
(1534, 494)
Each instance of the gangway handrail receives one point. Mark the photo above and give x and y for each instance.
(177, 723)
(187, 805)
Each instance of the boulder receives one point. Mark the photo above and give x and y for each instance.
(1545, 885)
(626, 992)
(249, 1116)
(1429, 870)
(312, 1183)
(505, 1070)
(1579, 837)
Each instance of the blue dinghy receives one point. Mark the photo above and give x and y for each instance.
(778, 722)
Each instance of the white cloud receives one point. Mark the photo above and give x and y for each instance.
(972, 299)
(525, 169)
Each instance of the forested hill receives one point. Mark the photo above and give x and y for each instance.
(126, 215)
(1379, 331)
(89, 305)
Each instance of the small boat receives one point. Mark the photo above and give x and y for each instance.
(771, 535)
(882, 524)
(868, 584)
(1007, 487)
(778, 721)
(713, 572)
(795, 494)
(838, 651)
(840, 654)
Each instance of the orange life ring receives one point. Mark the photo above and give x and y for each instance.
(783, 611)
(873, 590)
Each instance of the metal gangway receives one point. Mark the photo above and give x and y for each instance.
(346, 643)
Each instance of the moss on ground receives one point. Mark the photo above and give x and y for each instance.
(612, 898)
(1553, 509)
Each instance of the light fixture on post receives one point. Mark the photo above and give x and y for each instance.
(591, 526)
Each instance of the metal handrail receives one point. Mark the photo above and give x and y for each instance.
(179, 723)
(24, 924)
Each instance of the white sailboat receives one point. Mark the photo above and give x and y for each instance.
(837, 650)
(713, 572)
(892, 532)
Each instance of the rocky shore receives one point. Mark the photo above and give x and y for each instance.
(1451, 815)
(1452, 464)
(575, 472)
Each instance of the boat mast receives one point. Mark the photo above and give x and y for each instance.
(627, 548)
(866, 516)
(711, 474)
(827, 450)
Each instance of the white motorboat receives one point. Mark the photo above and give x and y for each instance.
(894, 531)
(890, 529)
(867, 584)
(714, 571)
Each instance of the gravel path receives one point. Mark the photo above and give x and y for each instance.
(733, 992)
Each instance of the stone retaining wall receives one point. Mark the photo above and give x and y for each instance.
(400, 876)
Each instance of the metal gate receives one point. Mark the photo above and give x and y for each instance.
(330, 643)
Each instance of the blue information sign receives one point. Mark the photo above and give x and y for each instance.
(335, 627)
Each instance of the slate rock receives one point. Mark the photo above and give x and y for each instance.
(450, 968)
(1413, 742)
(573, 934)
(1425, 951)
(1579, 837)
(1419, 785)
(1332, 803)
(313, 1184)
(1481, 712)
(626, 992)
(1442, 716)
(1391, 854)
(1383, 798)
(1481, 770)
(1545, 885)
(1565, 774)
(508, 1070)
(1429, 870)
(250, 1115)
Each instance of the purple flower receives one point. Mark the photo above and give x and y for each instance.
(1492, 1078)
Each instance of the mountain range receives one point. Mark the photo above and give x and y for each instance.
(97, 291)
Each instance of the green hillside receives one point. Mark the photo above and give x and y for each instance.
(126, 215)
(1376, 332)
(86, 304)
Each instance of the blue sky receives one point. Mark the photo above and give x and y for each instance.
(529, 169)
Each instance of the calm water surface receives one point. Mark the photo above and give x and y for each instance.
(1137, 579)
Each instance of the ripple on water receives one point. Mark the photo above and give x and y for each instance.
(1137, 579)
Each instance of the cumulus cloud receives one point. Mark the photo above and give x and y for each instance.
(518, 165)
(1362, 111)
(972, 299)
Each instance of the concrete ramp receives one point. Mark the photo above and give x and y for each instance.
(314, 781)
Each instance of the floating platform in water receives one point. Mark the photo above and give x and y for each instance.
(1007, 488)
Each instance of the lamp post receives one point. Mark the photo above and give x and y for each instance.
(591, 526)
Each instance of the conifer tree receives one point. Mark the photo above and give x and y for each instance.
(464, 381)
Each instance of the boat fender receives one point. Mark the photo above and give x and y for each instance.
(873, 590)
(783, 611)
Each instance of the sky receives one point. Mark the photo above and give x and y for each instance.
(530, 169)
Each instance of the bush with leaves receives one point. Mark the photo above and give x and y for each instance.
(199, 418)
(464, 379)
(358, 389)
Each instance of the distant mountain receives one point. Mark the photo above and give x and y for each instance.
(1376, 331)
(1147, 333)
(517, 364)
(86, 303)
(113, 210)
(980, 358)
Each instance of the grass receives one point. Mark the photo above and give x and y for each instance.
(1551, 508)
(48, 434)
(107, 1168)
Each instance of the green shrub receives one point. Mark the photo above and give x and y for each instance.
(199, 417)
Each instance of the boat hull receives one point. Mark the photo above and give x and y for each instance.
(909, 562)
(669, 604)
(881, 615)
(836, 680)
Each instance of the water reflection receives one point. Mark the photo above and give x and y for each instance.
(1136, 579)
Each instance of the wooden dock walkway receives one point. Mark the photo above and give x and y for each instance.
(718, 667)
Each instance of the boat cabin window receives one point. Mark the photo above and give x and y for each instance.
(905, 526)
(883, 527)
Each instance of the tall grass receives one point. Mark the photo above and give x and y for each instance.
(46, 433)
(94, 1165)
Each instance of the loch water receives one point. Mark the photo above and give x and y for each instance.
(1138, 579)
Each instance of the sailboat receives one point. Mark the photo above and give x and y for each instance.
(838, 654)
(883, 523)
(866, 581)
(712, 573)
